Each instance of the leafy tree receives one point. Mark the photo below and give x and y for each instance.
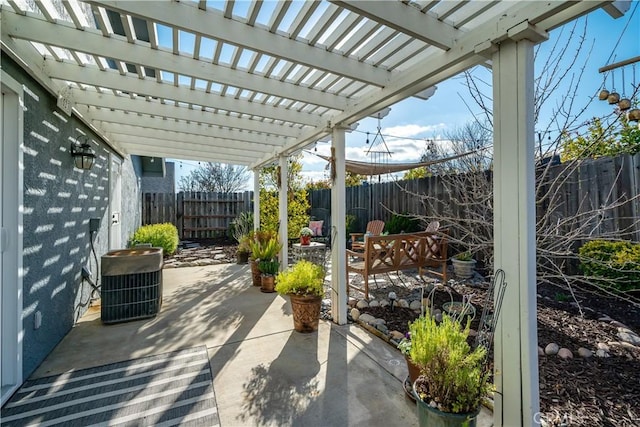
(215, 177)
(618, 137)
(421, 172)
(298, 202)
(350, 180)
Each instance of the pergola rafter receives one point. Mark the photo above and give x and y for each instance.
(251, 84)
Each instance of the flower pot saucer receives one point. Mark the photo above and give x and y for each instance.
(408, 388)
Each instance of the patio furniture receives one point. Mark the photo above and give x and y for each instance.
(374, 228)
(313, 252)
(395, 252)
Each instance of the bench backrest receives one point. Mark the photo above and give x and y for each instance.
(407, 250)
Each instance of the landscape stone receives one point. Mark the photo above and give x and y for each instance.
(382, 328)
(618, 324)
(384, 303)
(415, 305)
(540, 351)
(367, 318)
(396, 335)
(551, 349)
(565, 353)
(351, 302)
(374, 303)
(630, 338)
(603, 346)
(438, 317)
(602, 353)
(362, 304)
(584, 352)
(403, 303)
(355, 314)
(379, 321)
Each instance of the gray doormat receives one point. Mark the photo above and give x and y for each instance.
(164, 390)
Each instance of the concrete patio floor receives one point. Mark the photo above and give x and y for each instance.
(264, 373)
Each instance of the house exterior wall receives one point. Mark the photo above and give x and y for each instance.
(165, 184)
(59, 201)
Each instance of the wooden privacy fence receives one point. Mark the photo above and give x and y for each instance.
(589, 186)
(158, 208)
(196, 214)
(203, 215)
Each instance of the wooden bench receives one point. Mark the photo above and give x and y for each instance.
(395, 252)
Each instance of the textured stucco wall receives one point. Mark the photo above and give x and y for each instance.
(59, 200)
(166, 184)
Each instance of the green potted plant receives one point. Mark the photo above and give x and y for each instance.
(463, 264)
(304, 283)
(259, 244)
(454, 377)
(268, 269)
(244, 249)
(305, 236)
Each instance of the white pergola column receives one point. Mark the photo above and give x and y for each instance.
(283, 212)
(256, 199)
(338, 231)
(516, 344)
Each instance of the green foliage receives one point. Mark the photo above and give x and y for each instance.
(244, 245)
(404, 346)
(464, 256)
(350, 223)
(453, 375)
(298, 202)
(264, 245)
(269, 267)
(241, 226)
(402, 224)
(617, 264)
(303, 278)
(350, 180)
(163, 236)
(561, 297)
(600, 140)
(421, 172)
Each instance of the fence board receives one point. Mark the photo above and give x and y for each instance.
(588, 187)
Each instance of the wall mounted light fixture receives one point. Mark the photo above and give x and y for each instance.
(83, 155)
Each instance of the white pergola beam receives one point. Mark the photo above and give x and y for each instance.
(406, 19)
(249, 148)
(216, 26)
(338, 232)
(92, 42)
(107, 102)
(283, 199)
(159, 148)
(92, 75)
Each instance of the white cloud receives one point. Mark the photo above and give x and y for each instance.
(412, 130)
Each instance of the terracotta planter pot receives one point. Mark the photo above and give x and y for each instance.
(414, 371)
(268, 283)
(305, 240)
(306, 312)
(256, 276)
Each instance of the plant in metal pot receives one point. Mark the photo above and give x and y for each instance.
(463, 264)
(454, 378)
(244, 249)
(304, 283)
(268, 268)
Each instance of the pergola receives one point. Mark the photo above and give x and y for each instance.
(252, 82)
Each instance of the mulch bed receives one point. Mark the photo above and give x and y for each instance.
(575, 392)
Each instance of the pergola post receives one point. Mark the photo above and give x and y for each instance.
(256, 199)
(516, 344)
(338, 230)
(283, 230)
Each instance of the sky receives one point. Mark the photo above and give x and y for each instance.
(412, 122)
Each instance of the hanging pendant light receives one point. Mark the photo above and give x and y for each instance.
(634, 115)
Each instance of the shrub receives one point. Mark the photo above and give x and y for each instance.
(303, 278)
(616, 264)
(453, 375)
(402, 224)
(163, 236)
(241, 226)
